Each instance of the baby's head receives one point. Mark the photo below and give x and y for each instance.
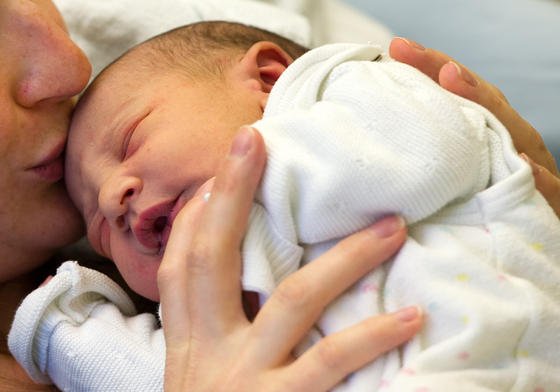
(151, 129)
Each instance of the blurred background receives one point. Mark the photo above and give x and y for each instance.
(514, 44)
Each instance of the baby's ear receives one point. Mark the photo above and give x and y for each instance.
(265, 62)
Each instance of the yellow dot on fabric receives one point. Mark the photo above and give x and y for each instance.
(537, 246)
(465, 319)
(522, 353)
(463, 277)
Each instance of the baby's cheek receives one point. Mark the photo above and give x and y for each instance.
(139, 271)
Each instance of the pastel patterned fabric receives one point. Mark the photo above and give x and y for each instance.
(350, 140)
(353, 136)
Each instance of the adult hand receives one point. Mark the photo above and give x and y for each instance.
(456, 78)
(14, 379)
(211, 345)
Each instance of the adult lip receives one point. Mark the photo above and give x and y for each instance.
(51, 167)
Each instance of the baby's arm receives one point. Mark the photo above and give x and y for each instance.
(79, 332)
(381, 139)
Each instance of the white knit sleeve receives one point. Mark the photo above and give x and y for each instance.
(380, 139)
(80, 333)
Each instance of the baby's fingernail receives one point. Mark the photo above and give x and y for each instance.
(465, 75)
(408, 314)
(242, 142)
(388, 226)
(412, 44)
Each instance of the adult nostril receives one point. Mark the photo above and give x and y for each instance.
(159, 224)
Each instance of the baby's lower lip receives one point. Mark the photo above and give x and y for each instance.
(52, 171)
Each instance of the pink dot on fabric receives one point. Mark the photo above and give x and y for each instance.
(409, 371)
(464, 355)
(384, 384)
(539, 389)
(370, 287)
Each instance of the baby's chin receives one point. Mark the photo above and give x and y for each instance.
(251, 304)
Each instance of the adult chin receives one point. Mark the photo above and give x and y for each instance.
(36, 230)
(58, 225)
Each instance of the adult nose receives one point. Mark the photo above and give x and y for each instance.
(116, 199)
(52, 67)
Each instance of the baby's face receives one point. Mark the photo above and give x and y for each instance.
(139, 148)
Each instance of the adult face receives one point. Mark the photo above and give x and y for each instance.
(139, 148)
(41, 70)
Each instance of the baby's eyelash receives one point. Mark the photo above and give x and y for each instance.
(125, 149)
(126, 142)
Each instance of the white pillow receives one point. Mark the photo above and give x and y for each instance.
(104, 29)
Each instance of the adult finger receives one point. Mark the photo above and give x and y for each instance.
(458, 79)
(213, 261)
(334, 357)
(208, 265)
(547, 183)
(426, 60)
(300, 299)
(173, 274)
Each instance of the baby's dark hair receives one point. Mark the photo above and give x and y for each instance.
(198, 50)
(204, 48)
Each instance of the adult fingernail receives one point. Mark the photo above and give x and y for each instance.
(465, 75)
(412, 44)
(534, 167)
(408, 314)
(205, 189)
(242, 142)
(388, 226)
